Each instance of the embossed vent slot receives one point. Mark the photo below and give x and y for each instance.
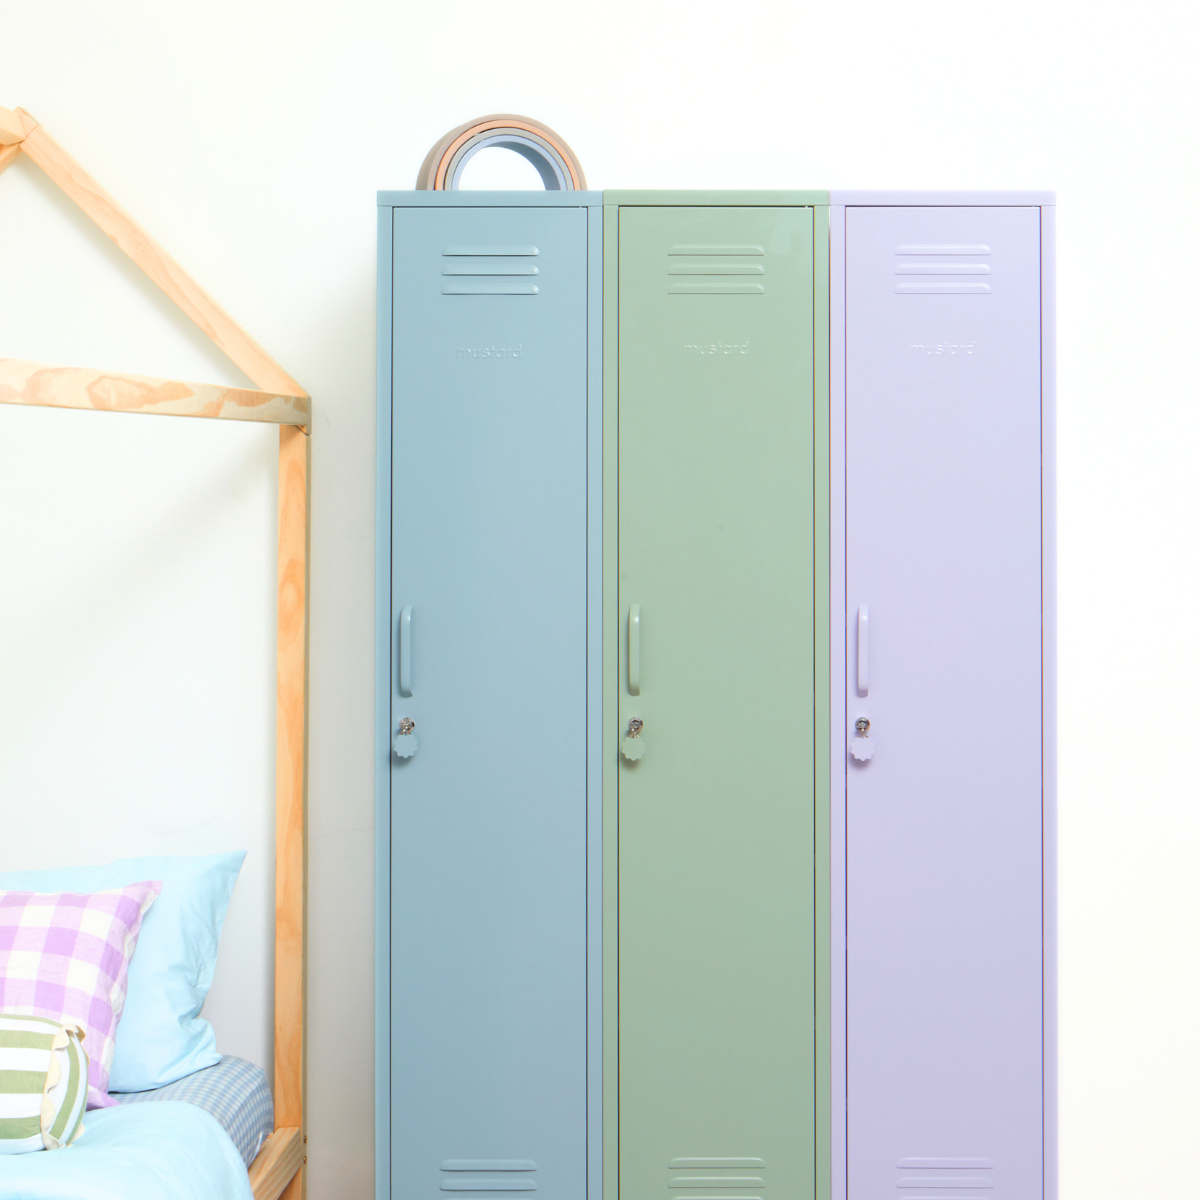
(944, 1174)
(716, 1178)
(941, 275)
(715, 270)
(483, 270)
(485, 1176)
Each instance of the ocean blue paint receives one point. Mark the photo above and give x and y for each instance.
(488, 856)
(383, 684)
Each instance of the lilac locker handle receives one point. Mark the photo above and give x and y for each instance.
(863, 651)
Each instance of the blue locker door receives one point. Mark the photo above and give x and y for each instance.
(489, 908)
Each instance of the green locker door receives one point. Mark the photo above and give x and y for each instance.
(715, 822)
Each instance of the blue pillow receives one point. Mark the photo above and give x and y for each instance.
(161, 1036)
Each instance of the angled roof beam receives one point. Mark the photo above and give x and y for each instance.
(21, 132)
(278, 1170)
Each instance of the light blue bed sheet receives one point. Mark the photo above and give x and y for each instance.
(166, 1151)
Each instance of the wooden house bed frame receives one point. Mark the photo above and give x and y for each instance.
(279, 1168)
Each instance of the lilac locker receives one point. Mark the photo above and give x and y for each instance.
(942, 831)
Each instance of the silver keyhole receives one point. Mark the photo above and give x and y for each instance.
(407, 725)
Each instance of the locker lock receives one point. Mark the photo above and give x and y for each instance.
(861, 746)
(405, 743)
(632, 746)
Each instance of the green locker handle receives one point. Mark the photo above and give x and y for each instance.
(635, 649)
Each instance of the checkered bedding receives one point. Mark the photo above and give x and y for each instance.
(65, 956)
(234, 1091)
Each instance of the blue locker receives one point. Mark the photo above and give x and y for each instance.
(488, 695)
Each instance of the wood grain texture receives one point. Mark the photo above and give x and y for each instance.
(278, 1169)
(291, 776)
(277, 1163)
(212, 319)
(24, 382)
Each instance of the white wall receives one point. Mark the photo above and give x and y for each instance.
(137, 600)
(250, 138)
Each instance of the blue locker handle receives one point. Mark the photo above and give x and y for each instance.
(635, 649)
(406, 650)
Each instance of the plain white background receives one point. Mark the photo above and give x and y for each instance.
(250, 138)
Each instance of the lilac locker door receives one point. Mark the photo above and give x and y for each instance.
(944, 821)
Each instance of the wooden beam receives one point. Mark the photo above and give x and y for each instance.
(277, 1163)
(156, 262)
(279, 1168)
(12, 127)
(291, 777)
(24, 382)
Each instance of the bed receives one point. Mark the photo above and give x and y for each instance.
(234, 1092)
(207, 1135)
(169, 1151)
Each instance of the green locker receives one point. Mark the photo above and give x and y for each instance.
(716, 847)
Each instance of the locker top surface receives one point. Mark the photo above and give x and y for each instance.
(989, 199)
(717, 199)
(681, 198)
(524, 199)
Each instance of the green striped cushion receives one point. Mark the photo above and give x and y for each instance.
(43, 1084)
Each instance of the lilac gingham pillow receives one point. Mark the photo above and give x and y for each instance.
(66, 956)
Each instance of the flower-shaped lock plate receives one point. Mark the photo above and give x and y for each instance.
(632, 746)
(861, 746)
(404, 745)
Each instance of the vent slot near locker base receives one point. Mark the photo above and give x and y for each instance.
(727, 289)
(711, 1164)
(722, 1179)
(942, 1174)
(479, 1175)
(715, 269)
(485, 270)
(706, 249)
(489, 289)
(490, 252)
(940, 276)
(709, 277)
(938, 269)
(949, 1164)
(932, 288)
(489, 269)
(945, 248)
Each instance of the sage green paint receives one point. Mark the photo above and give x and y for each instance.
(716, 848)
(610, 703)
(717, 199)
(821, 685)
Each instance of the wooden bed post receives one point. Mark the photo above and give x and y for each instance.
(291, 775)
(278, 1169)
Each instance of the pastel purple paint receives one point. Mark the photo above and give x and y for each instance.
(942, 424)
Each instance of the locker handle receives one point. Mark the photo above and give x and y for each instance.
(863, 650)
(635, 649)
(406, 650)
